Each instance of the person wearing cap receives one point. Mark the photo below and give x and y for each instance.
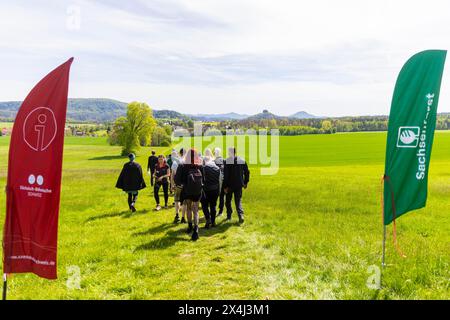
(131, 180)
(152, 161)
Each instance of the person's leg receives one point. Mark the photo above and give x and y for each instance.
(188, 204)
(195, 206)
(196, 220)
(156, 192)
(189, 215)
(135, 195)
(177, 210)
(213, 202)
(166, 193)
(238, 203)
(177, 204)
(221, 200)
(183, 212)
(205, 208)
(130, 199)
(228, 198)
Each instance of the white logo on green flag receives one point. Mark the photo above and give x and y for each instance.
(408, 137)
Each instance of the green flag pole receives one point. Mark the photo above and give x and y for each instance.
(411, 126)
(383, 256)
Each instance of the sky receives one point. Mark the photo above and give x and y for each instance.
(326, 57)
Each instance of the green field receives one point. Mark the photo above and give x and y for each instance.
(6, 124)
(311, 231)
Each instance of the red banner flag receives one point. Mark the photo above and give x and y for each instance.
(34, 178)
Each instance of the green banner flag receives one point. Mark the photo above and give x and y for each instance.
(412, 121)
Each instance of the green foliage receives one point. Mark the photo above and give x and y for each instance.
(134, 130)
(327, 127)
(161, 137)
(85, 129)
(298, 130)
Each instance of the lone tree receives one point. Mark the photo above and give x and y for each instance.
(134, 130)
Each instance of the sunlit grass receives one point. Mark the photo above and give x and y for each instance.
(311, 231)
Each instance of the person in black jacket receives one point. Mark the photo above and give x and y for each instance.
(220, 163)
(235, 177)
(152, 161)
(131, 181)
(211, 185)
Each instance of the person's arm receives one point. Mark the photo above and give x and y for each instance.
(226, 177)
(178, 174)
(119, 183)
(172, 179)
(148, 165)
(167, 175)
(203, 175)
(246, 174)
(142, 177)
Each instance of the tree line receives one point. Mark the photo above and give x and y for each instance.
(289, 126)
(139, 127)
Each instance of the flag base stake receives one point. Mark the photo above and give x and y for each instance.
(5, 286)
(383, 256)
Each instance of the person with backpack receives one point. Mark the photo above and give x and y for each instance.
(189, 176)
(236, 177)
(211, 190)
(131, 180)
(152, 161)
(220, 163)
(161, 175)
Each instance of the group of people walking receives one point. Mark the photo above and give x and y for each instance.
(193, 180)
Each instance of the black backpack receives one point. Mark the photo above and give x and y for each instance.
(194, 182)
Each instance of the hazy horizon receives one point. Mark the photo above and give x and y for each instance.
(160, 108)
(325, 57)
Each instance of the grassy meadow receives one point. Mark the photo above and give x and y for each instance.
(311, 231)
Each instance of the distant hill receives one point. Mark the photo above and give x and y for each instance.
(219, 117)
(169, 114)
(107, 110)
(90, 110)
(95, 110)
(9, 109)
(265, 115)
(303, 115)
(83, 110)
